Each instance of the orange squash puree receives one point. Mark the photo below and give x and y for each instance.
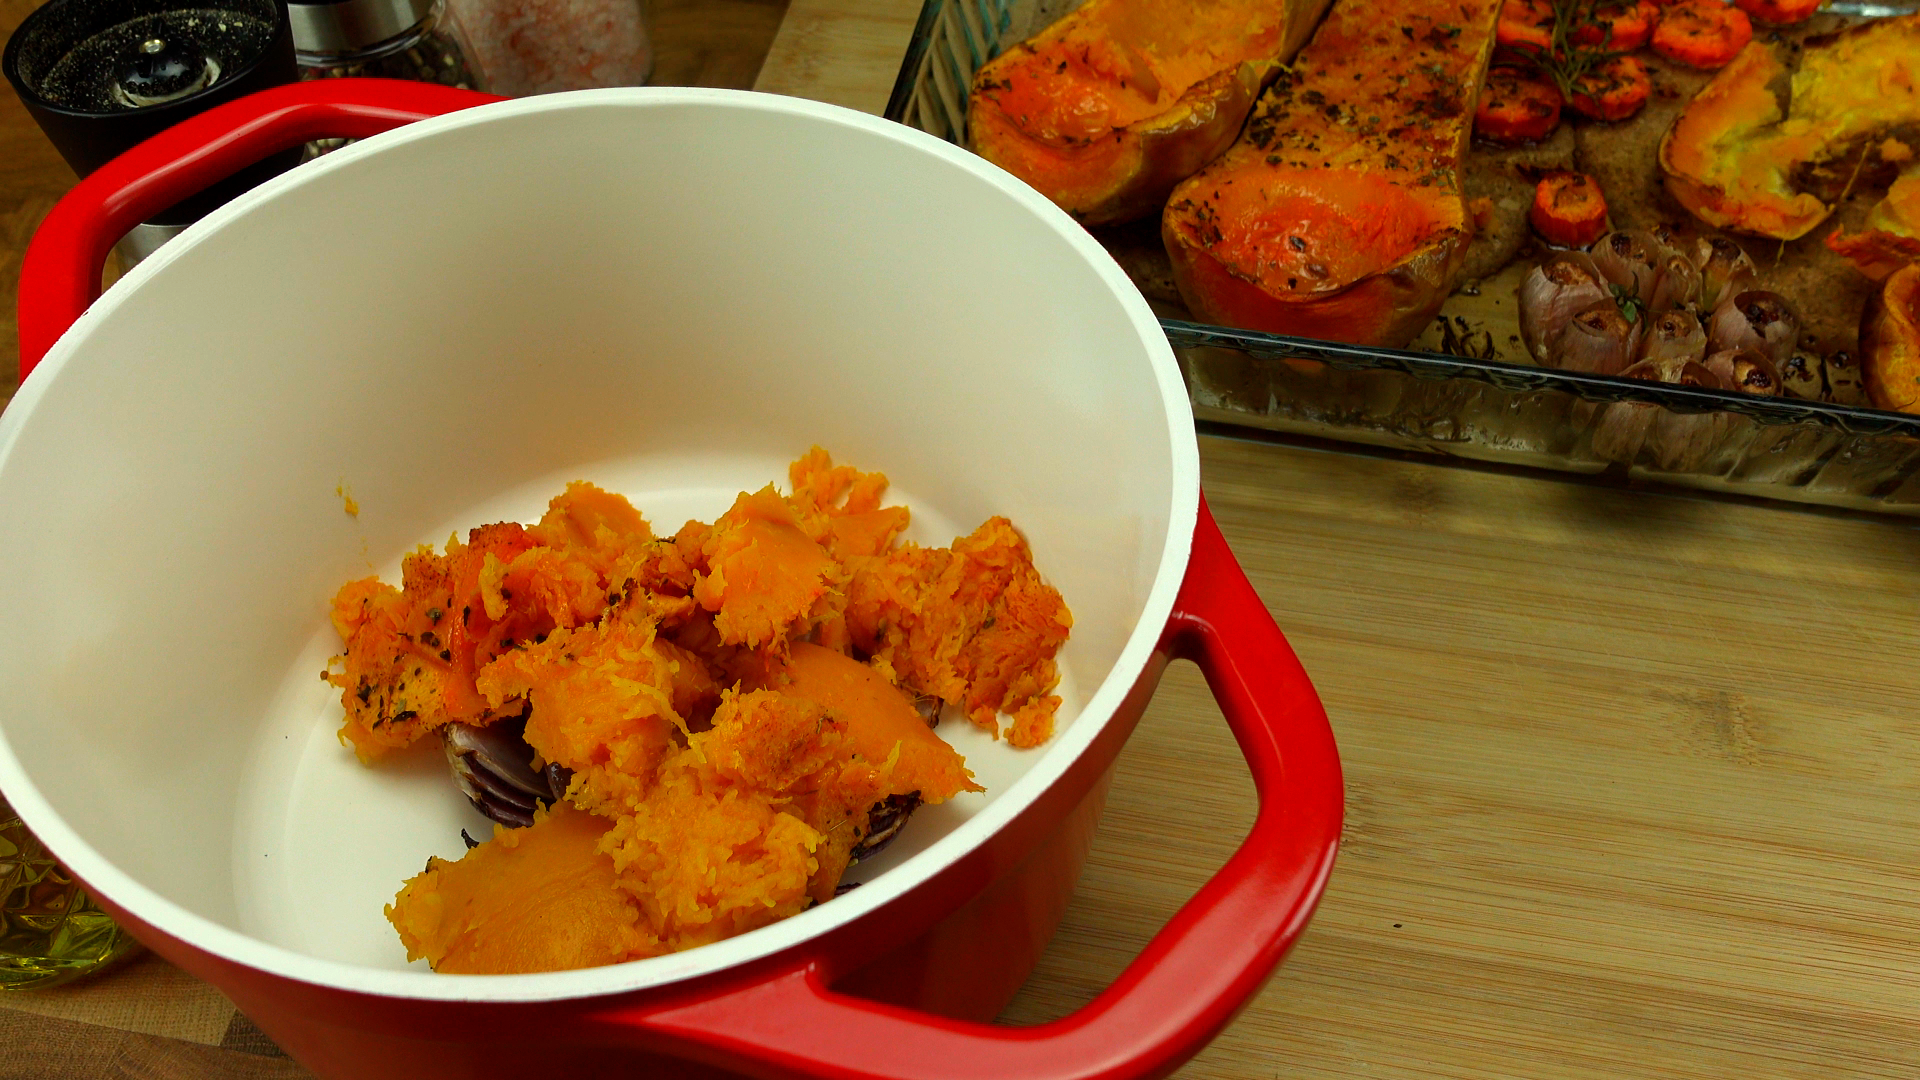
(972, 625)
(550, 883)
(733, 703)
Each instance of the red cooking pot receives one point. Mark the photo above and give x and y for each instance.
(669, 292)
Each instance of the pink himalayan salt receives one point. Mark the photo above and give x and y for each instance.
(544, 46)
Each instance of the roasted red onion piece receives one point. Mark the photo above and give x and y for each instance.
(1599, 339)
(1846, 383)
(1629, 259)
(1755, 319)
(1724, 270)
(1800, 377)
(1673, 335)
(1552, 294)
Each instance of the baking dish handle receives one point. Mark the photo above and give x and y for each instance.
(60, 275)
(1191, 979)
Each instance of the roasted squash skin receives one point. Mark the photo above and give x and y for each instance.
(1891, 236)
(1338, 213)
(1107, 109)
(1890, 342)
(1735, 157)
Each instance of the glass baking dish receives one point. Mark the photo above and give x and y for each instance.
(1461, 406)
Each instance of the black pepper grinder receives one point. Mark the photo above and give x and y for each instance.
(99, 76)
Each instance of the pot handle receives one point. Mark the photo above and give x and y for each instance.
(1191, 979)
(60, 275)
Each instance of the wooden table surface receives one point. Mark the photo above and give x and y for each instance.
(1633, 780)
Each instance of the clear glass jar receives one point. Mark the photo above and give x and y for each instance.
(50, 929)
(419, 40)
(548, 46)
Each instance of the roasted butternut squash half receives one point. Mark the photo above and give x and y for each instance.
(1109, 107)
(1338, 213)
(1769, 144)
(1890, 342)
(1890, 238)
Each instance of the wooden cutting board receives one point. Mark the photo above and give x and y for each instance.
(1633, 780)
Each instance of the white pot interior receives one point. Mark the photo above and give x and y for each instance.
(669, 293)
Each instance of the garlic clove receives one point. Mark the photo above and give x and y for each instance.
(1673, 334)
(1629, 259)
(1746, 370)
(1680, 442)
(1675, 285)
(1725, 269)
(1600, 339)
(1755, 319)
(1551, 295)
(1621, 431)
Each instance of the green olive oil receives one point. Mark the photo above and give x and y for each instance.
(51, 932)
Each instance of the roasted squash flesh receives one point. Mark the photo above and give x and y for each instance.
(1890, 238)
(1338, 213)
(542, 898)
(1109, 107)
(727, 751)
(1743, 156)
(1890, 342)
(881, 725)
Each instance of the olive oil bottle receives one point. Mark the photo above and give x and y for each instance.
(50, 930)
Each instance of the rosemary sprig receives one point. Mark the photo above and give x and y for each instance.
(1566, 61)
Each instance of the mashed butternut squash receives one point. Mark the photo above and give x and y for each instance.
(734, 704)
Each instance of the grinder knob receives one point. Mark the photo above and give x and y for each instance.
(159, 69)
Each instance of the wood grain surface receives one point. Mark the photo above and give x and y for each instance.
(1633, 779)
(1633, 783)
(32, 179)
(712, 42)
(846, 52)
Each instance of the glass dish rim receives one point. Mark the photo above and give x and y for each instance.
(1504, 375)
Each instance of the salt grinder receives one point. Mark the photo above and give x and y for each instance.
(99, 76)
(389, 39)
